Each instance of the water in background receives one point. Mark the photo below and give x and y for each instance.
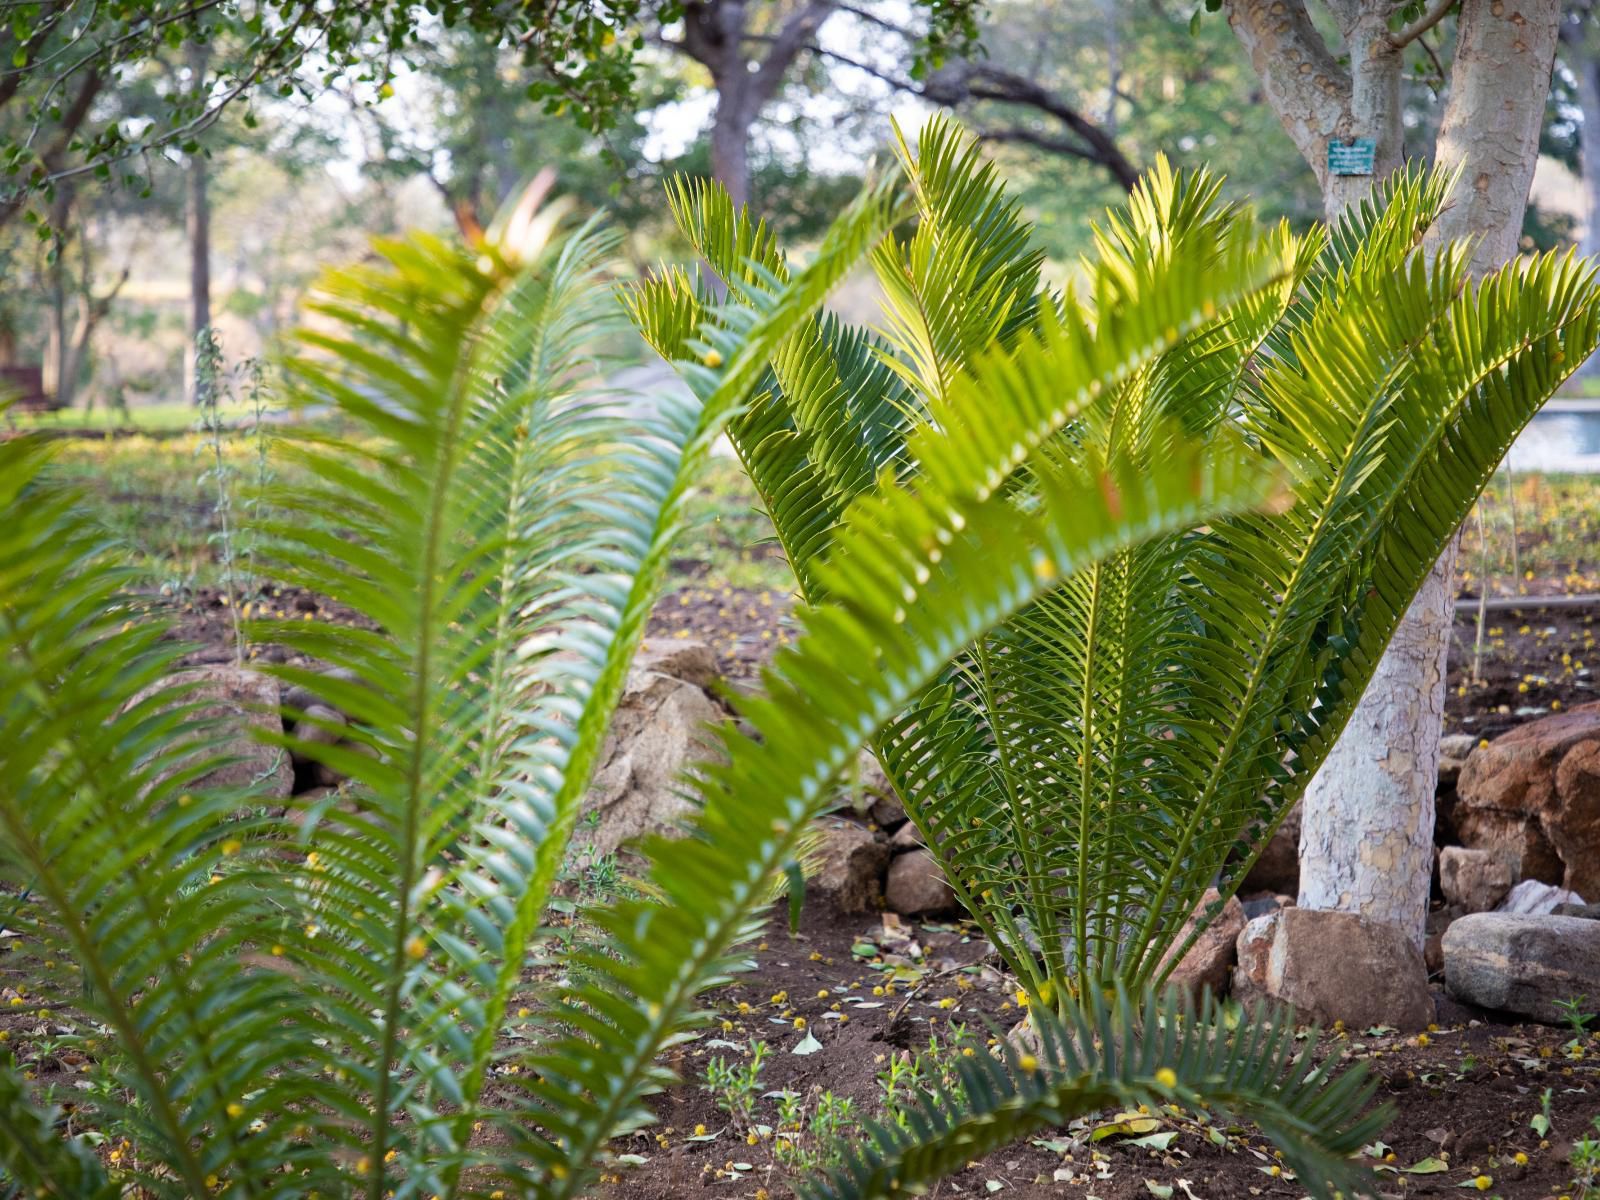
(1564, 437)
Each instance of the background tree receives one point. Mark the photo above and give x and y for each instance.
(1333, 76)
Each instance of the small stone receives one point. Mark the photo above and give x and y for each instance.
(1589, 912)
(1522, 964)
(850, 860)
(1475, 880)
(905, 838)
(1334, 966)
(1453, 751)
(916, 885)
(1208, 963)
(678, 658)
(1278, 868)
(1532, 898)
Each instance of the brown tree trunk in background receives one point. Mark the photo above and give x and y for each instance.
(1366, 842)
(716, 34)
(59, 383)
(198, 219)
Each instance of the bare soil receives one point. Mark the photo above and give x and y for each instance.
(1465, 1096)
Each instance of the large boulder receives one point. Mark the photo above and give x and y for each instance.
(1278, 868)
(1534, 794)
(241, 707)
(660, 729)
(1522, 964)
(916, 885)
(1334, 966)
(1475, 880)
(1208, 963)
(850, 862)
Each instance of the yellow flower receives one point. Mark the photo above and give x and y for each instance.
(231, 847)
(416, 947)
(712, 358)
(1167, 1077)
(799, 1022)
(236, 1110)
(1520, 1159)
(1483, 1183)
(699, 1131)
(1028, 1062)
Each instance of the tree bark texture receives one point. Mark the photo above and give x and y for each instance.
(717, 35)
(1366, 842)
(198, 221)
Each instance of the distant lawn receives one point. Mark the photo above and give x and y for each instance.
(146, 418)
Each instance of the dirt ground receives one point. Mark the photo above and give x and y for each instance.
(1466, 1095)
(856, 999)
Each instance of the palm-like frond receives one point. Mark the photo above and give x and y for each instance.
(1115, 1052)
(1093, 765)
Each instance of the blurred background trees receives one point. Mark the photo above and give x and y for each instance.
(176, 165)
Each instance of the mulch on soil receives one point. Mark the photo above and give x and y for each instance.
(1466, 1095)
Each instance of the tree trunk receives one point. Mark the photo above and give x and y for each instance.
(730, 144)
(1587, 69)
(1581, 41)
(1366, 841)
(199, 228)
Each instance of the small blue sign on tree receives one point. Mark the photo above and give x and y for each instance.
(1354, 157)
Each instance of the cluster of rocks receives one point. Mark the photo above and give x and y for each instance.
(866, 857)
(1518, 849)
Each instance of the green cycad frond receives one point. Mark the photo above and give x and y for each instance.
(918, 575)
(1109, 753)
(108, 849)
(1116, 1052)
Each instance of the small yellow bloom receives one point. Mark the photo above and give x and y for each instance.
(1167, 1077)
(712, 358)
(1483, 1183)
(699, 1131)
(231, 847)
(799, 1022)
(1520, 1159)
(1028, 1062)
(236, 1110)
(416, 947)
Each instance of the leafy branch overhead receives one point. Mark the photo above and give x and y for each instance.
(63, 57)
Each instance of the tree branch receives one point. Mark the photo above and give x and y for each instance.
(794, 36)
(1432, 17)
(1306, 87)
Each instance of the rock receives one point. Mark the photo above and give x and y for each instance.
(1208, 962)
(319, 725)
(1433, 954)
(850, 865)
(241, 705)
(1522, 964)
(659, 730)
(1453, 751)
(1278, 868)
(905, 838)
(1532, 898)
(1534, 793)
(678, 658)
(1259, 906)
(299, 697)
(1589, 912)
(1475, 880)
(1334, 966)
(916, 885)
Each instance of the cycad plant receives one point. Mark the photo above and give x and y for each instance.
(1091, 766)
(320, 1002)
